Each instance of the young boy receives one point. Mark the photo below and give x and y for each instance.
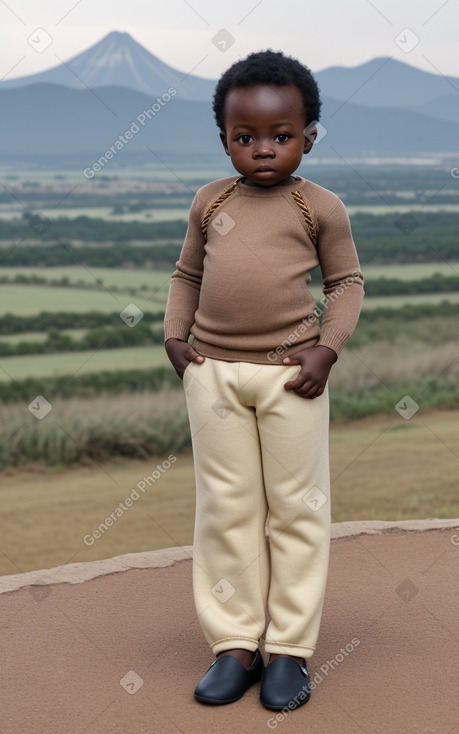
(255, 380)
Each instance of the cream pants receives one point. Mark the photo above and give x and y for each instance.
(260, 455)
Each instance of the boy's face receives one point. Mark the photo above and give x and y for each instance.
(264, 132)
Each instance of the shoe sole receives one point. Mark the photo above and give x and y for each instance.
(216, 702)
(284, 706)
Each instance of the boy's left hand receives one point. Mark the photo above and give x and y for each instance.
(316, 363)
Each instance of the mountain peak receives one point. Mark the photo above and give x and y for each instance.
(118, 60)
(118, 34)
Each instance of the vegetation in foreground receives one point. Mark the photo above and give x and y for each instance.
(383, 468)
(140, 413)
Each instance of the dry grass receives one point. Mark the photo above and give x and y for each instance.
(400, 361)
(138, 425)
(382, 468)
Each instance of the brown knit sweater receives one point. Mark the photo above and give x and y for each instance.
(243, 294)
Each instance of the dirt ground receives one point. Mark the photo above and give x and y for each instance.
(122, 652)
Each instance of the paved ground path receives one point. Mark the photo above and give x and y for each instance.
(387, 660)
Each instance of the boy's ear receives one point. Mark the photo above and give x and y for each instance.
(224, 143)
(310, 134)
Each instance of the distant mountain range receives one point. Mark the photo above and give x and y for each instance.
(79, 109)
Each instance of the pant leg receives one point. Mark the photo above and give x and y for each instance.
(230, 559)
(293, 435)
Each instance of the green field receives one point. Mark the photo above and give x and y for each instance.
(168, 214)
(29, 299)
(24, 300)
(136, 278)
(414, 271)
(413, 300)
(39, 336)
(400, 209)
(106, 212)
(70, 363)
(129, 173)
(398, 301)
(118, 277)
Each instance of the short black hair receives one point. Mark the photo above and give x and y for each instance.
(268, 67)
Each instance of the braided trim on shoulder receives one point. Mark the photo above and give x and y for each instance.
(224, 195)
(313, 233)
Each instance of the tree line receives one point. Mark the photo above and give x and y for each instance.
(45, 320)
(89, 384)
(383, 286)
(162, 257)
(99, 338)
(382, 238)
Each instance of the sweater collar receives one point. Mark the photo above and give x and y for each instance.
(276, 190)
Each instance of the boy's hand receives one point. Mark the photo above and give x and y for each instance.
(181, 353)
(316, 363)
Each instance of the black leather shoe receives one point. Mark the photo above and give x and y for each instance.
(227, 680)
(285, 683)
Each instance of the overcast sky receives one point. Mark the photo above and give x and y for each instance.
(321, 34)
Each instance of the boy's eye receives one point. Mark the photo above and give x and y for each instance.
(282, 137)
(245, 139)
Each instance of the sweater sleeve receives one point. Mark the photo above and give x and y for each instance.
(342, 278)
(185, 286)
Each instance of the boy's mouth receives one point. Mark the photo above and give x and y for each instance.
(264, 169)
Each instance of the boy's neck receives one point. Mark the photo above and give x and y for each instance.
(286, 182)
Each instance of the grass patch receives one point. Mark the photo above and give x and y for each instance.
(137, 425)
(155, 214)
(99, 425)
(138, 277)
(40, 336)
(148, 276)
(82, 363)
(28, 300)
(393, 366)
(413, 271)
(414, 300)
(135, 278)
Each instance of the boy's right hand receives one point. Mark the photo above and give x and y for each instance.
(181, 353)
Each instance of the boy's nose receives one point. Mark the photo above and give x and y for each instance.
(263, 149)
